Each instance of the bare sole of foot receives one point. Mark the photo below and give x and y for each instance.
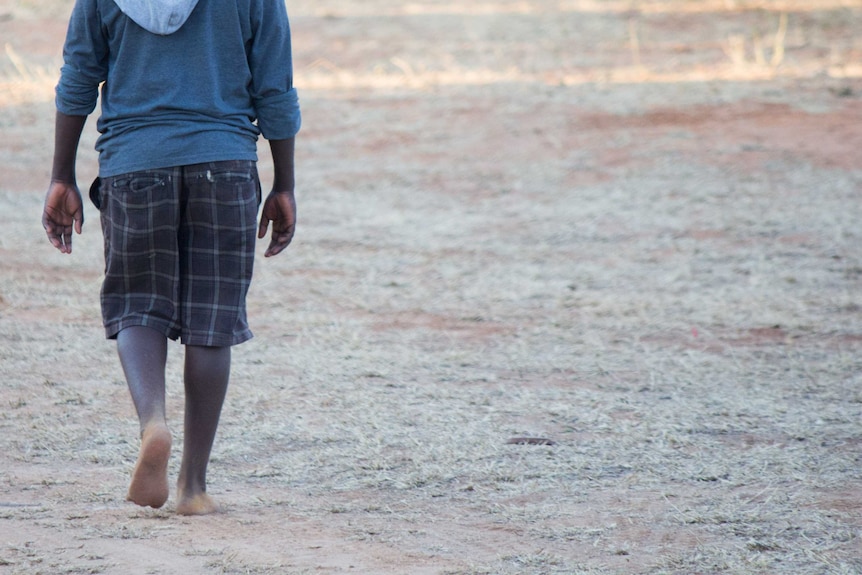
(200, 504)
(149, 487)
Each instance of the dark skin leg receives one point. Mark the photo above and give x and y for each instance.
(207, 372)
(143, 354)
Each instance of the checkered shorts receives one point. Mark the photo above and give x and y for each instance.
(179, 250)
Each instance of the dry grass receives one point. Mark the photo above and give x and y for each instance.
(748, 41)
(22, 82)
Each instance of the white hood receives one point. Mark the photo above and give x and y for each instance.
(158, 16)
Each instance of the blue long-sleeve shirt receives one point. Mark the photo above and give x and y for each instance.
(203, 93)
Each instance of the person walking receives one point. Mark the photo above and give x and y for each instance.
(187, 88)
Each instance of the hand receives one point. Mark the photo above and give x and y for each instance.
(63, 208)
(280, 209)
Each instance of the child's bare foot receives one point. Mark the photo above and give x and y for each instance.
(195, 504)
(149, 487)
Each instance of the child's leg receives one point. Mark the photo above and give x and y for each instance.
(207, 371)
(143, 354)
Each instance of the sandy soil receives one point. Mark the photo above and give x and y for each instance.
(628, 227)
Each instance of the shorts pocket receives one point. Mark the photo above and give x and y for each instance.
(96, 193)
(230, 176)
(232, 184)
(138, 183)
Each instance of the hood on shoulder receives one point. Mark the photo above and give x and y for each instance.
(158, 16)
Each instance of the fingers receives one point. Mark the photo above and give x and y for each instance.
(60, 233)
(67, 241)
(275, 248)
(60, 237)
(280, 210)
(280, 240)
(63, 212)
(282, 235)
(261, 229)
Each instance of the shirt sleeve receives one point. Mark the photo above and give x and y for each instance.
(85, 61)
(275, 99)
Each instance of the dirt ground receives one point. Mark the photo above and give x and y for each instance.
(629, 227)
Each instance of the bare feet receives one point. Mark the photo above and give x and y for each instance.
(196, 504)
(149, 487)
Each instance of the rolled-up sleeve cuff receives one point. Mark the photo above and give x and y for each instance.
(76, 94)
(278, 116)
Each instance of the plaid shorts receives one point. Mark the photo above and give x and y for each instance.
(179, 250)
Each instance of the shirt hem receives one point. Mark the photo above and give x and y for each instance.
(111, 169)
